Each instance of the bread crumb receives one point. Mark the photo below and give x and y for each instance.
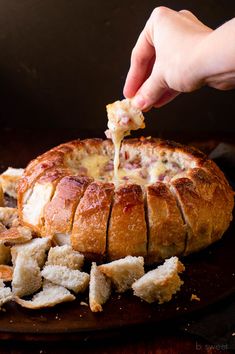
(83, 303)
(195, 298)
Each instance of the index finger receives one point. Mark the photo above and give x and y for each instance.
(142, 60)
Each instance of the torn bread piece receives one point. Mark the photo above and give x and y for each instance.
(69, 278)
(65, 256)
(14, 235)
(50, 296)
(2, 227)
(6, 272)
(161, 283)
(99, 289)
(124, 272)
(9, 216)
(5, 294)
(26, 276)
(122, 118)
(5, 253)
(35, 248)
(9, 180)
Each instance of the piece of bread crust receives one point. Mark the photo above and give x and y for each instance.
(6, 272)
(124, 272)
(69, 278)
(26, 276)
(9, 216)
(99, 289)
(91, 220)
(50, 296)
(167, 231)
(161, 283)
(127, 231)
(65, 256)
(10, 179)
(59, 212)
(1, 196)
(16, 235)
(36, 249)
(5, 253)
(5, 295)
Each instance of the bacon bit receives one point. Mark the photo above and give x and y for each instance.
(108, 167)
(125, 120)
(126, 155)
(6, 272)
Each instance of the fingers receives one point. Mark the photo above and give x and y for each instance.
(150, 92)
(142, 60)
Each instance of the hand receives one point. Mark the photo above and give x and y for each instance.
(163, 59)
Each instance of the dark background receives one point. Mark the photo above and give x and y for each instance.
(62, 61)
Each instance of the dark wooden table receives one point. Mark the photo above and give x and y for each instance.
(16, 149)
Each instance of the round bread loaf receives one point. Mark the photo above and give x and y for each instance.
(171, 199)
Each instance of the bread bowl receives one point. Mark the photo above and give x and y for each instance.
(171, 199)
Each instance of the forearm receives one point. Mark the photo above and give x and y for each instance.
(214, 58)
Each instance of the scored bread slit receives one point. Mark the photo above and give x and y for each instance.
(146, 220)
(164, 215)
(108, 223)
(183, 218)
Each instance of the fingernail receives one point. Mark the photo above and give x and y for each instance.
(139, 102)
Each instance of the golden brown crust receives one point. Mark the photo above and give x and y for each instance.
(167, 232)
(6, 272)
(59, 212)
(1, 196)
(127, 232)
(91, 220)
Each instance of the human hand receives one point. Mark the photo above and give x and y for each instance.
(164, 59)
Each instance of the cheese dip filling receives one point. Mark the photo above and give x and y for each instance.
(122, 118)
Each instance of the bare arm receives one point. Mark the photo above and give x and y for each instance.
(177, 53)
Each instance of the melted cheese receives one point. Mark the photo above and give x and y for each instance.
(94, 164)
(122, 118)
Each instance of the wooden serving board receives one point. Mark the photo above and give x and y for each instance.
(209, 274)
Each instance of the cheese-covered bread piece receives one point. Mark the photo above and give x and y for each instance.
(122, 118)
(9, 180)
(59, 212)
(161, 283)
(127, 231)
(91, 220)
(167, 231)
